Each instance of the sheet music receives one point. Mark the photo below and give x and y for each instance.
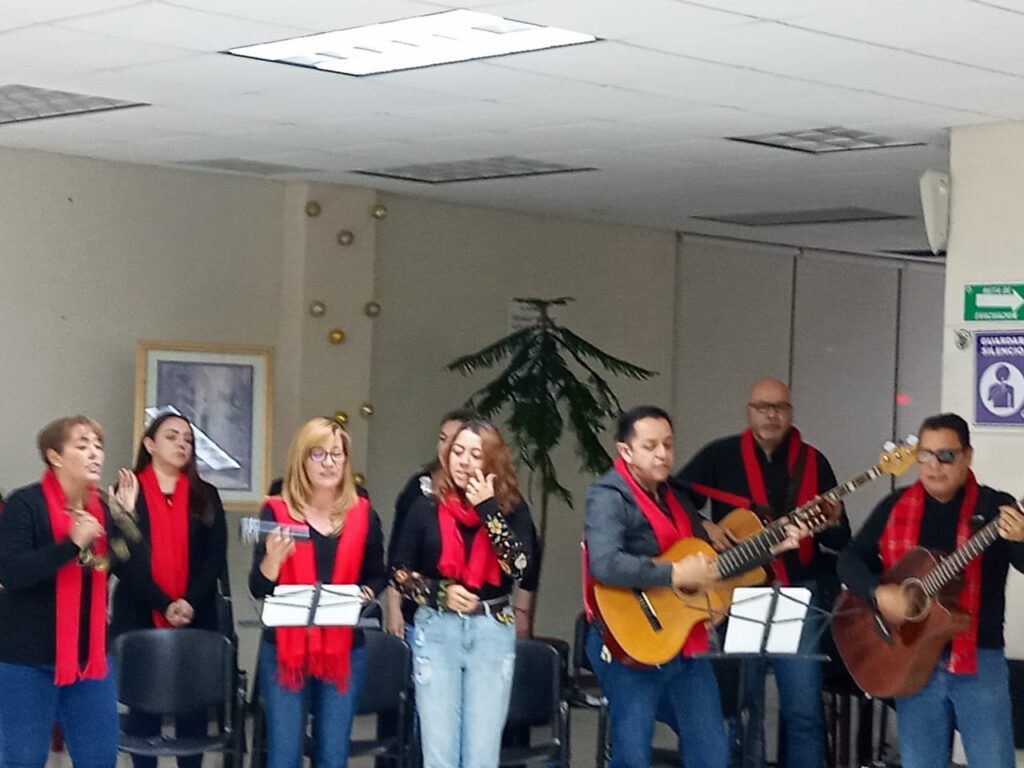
(748, 617)
(289, 606)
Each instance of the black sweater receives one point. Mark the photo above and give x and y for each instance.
(372, 573)
(860, 563)
(136, 595)
(720, 465)
(29, 561)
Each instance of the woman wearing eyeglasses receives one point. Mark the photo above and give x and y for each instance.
(317, 670)
(171, 581)
(458, 556)
(53, 610)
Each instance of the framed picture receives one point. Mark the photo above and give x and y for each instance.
(225, 391)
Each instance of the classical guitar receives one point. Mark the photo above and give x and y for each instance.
(889, 660)
(650, 625)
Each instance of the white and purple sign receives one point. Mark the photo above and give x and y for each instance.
(999, 375)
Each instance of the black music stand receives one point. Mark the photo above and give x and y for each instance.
(764, 623)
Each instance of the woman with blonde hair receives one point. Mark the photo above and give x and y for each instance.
(458, 556)
(315, 670)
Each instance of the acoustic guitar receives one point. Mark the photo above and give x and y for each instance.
(650, 625)
(888, 661)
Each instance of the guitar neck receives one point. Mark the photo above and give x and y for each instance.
(951, 566)
(751, 552)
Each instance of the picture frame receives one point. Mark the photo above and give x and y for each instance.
(226, 391)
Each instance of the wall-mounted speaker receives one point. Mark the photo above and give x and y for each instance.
(935, 189)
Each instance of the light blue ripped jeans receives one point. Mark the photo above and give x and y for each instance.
(463, 668)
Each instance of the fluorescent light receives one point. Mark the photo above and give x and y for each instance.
(834, 138)
(421, 41)
(813, 216)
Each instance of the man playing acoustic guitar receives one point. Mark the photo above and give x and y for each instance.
(968, 687)
(770, 470)
(632, 516)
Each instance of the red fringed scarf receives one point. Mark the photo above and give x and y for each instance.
(482, 565)
(903, 531)
(667, 532)
(168, 537)
(322, 652)
(69, 592)
(759, 494)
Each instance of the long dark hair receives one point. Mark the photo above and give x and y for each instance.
(497, 460)
(200, 502)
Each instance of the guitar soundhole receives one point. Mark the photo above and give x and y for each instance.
(918, 601)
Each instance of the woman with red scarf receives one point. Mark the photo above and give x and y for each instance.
(53, 608)
(171, 579)
(318, 670)
(458, 556)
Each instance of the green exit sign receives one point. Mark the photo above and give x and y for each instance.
(994, 301)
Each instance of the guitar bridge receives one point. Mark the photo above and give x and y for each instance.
(648, 610)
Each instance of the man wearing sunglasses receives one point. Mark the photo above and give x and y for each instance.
(969, 688)
(771, 470)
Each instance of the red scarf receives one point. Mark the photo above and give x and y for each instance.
(482, 565)
(903, 531)
(322, 652)
(667, 532)
(759, 493)
(69, 592)
(168, 537)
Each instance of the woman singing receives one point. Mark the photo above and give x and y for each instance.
(171, 580)
(320, 669)
(458, 555)
(53, 609)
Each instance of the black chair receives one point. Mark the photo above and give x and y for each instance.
(538, 699)
(585, 691)
(387, 694)
(173, 672)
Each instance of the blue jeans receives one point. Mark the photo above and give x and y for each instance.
(687, 686)
(286, 711)
(800, 703)
(463, 667)
(185, 726)
(976, 705)
(30, 704)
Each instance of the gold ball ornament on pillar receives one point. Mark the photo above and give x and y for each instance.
(317, 308)
(341, 417)
(379, 211)
(366, 409)
(336, 336)
(313, 209)
(358, 478)
(346, 237)
(371, 309)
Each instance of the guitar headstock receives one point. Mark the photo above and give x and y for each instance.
(897, 458)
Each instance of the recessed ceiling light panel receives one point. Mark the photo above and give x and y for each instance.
(474, 170)
(19, 103)
(421, 41)
(818, 141)
(813, 216)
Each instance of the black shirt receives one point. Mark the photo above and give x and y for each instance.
(29, 561)
(372, 573)
(860, 564)
(136, 595)
(720, 465)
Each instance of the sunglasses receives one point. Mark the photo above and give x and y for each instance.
(944, 456)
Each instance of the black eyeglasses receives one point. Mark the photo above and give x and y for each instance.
(944, 456)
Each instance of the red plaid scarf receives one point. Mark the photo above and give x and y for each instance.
(322, 652)
(903, 530)
(667, 532)
(759, 493)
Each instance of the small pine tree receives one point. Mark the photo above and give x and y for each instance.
(542, 393)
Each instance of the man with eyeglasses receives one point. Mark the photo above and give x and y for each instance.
(969, 688)
(770, 470)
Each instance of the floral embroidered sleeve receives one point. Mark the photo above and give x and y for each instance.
(416, 587)
(512, 552)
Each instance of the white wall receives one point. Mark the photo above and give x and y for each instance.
(985, 246)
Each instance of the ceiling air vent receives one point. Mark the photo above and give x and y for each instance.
(820, 141)
(507, 167)
(19, 103)
(794, 218)
(238, 165)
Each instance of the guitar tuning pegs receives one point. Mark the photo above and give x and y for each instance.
(889, 445)
(911, 440)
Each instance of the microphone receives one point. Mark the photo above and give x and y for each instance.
(252, 529)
